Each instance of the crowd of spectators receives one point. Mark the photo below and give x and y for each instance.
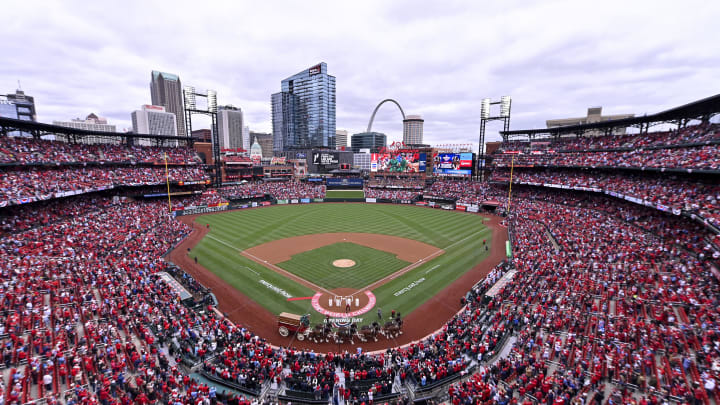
(207, 198)
(79, 300)
(390, 182)
(705, 157)
(278, 189)
(26, 151)
(602, 296)
(43, 183)
(601, 301)
(698, 197)
(689, 135)
(392, 194)
(19, 218)
(465, 191)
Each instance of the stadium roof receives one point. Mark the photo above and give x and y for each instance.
(39, 129)
(706, 107)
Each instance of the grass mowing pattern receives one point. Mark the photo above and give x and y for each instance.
(344, 194)
(370, 265)
(459, 234)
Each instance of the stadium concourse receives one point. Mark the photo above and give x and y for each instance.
(611, 295)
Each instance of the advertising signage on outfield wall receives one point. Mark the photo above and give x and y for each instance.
(398, 162)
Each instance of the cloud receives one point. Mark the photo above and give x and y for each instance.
(438, 59)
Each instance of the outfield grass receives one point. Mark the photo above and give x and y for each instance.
(370, 265)
(329, 194)
(459, 234)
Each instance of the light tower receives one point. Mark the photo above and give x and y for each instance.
(189, 96)
(504, 116)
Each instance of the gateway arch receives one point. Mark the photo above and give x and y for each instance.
(372, 118)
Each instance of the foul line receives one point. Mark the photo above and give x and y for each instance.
(284, 272)
(378, 283)
(419, 263)
(272, 267)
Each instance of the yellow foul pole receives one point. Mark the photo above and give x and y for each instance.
(167, 181)
(512, 166)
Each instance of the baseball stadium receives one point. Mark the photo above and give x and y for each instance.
(575, 262)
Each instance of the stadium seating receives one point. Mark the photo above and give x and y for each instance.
(610, 299)
(279, 190)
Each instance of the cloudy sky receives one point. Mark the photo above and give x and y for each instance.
(438, 59)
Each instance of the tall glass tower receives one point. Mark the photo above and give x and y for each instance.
(303, 112)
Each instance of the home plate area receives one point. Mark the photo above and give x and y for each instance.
(343, 302)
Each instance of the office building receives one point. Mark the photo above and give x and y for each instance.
(24, 105)
(594, 115)
(166, 91)
(8, 109)
(230, 128)
(202, 135)
(91, 123)
(368, 140)
(303, 112)
(246, 138)
(265, 141)
(154, 120)
(341, 139)
(413, 130)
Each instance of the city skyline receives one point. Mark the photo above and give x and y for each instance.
(438, 60)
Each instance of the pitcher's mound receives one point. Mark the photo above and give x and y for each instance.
(343, 263)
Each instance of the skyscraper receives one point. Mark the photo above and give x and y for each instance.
(303, 112)
(413, 130)
(230, 128)
(341, 138)
(246, 137)
(166, 91)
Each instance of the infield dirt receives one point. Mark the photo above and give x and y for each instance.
(424, 320)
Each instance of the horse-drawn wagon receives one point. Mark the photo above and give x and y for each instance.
(292, 323)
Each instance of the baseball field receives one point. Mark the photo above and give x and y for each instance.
(331, 194)
(398, 255)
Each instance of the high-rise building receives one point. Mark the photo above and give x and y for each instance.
(24, 105)
(341, 138)
(154, 120)
(413, 130)
(166, 91)
(368, 140)
(303, 112)
(246, 138)
(265, 141)
(230, 128)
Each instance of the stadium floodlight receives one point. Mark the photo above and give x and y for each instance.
(505, 106)
(189, 93)
(212, 101)
(485, 108)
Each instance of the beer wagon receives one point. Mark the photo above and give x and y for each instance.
(292, 323)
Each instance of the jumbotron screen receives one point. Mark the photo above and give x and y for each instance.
(459, 164)
(401, 162)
